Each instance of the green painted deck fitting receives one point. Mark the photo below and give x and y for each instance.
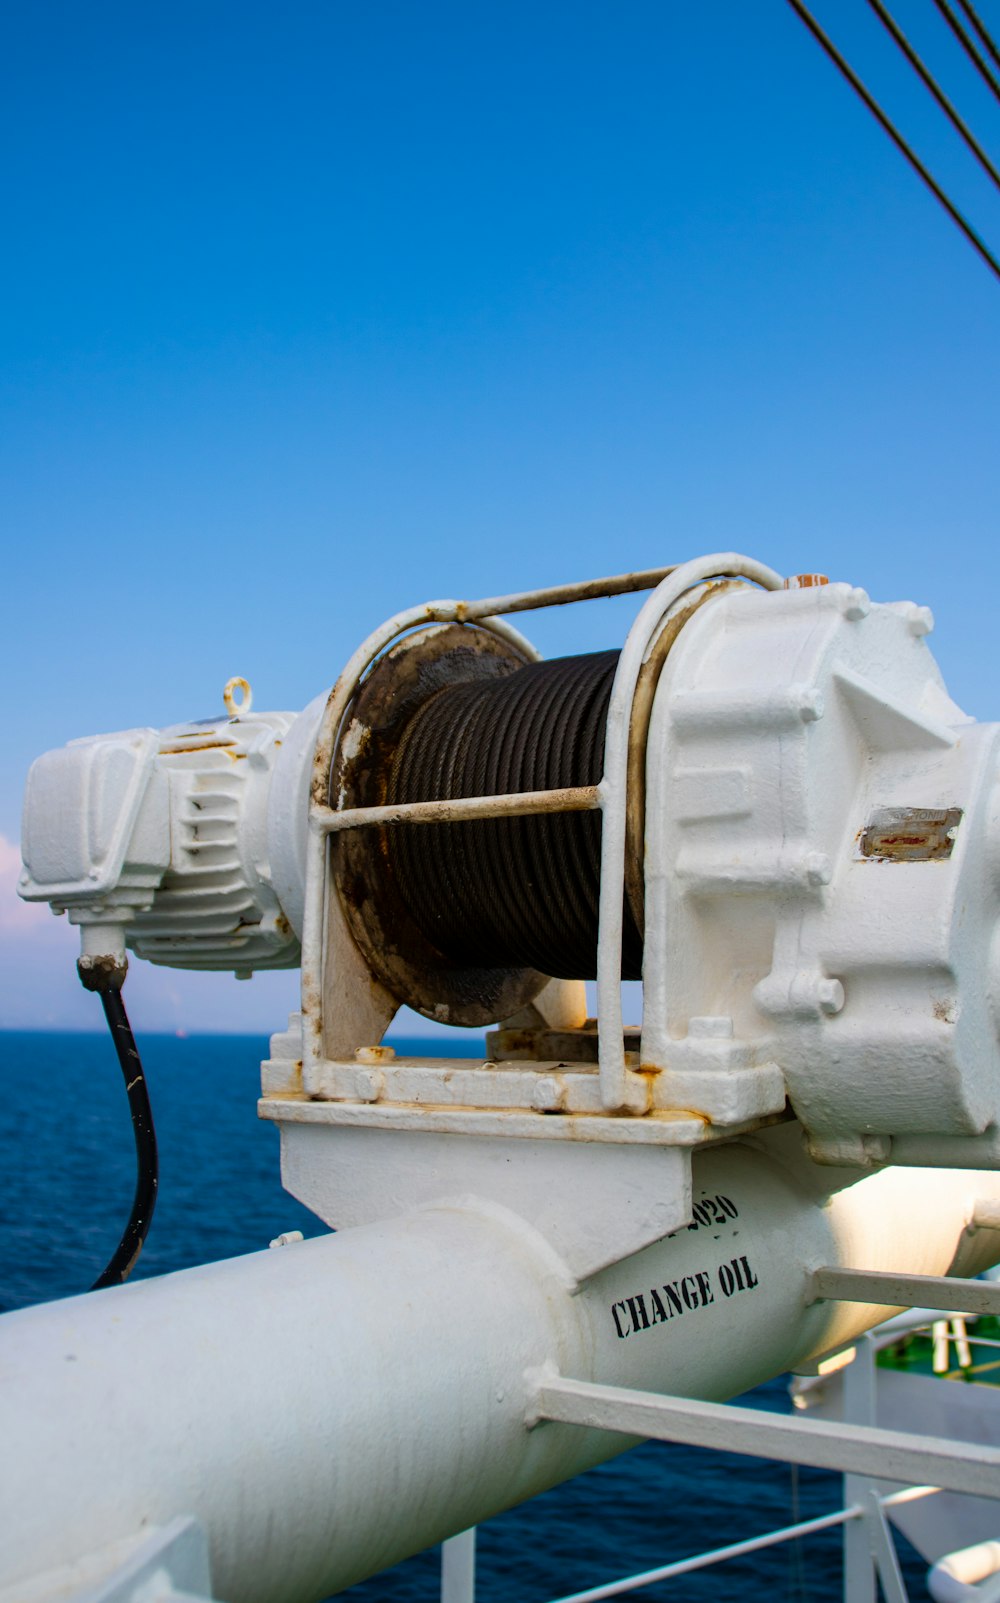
(914, 1354)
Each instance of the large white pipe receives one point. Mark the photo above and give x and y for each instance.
(328, 1408)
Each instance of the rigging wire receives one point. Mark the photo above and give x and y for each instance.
(890, 24)
(978, 244)
(968, 45)
(981, 29)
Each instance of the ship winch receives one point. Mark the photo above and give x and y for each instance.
(765, 806)
(768, 808)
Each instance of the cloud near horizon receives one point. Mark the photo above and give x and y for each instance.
(39, 988)
(30, 919)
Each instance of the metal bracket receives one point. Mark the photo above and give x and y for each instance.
(594, 1202)
(887, 1290)
(855, 1449)
(169, 1566)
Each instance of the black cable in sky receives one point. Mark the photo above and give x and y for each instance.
(981, 29)
(889, 22)
(828, 45)
(967, 45)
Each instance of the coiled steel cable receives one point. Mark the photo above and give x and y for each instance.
(511, 892)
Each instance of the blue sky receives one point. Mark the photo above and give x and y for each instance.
(311, 312)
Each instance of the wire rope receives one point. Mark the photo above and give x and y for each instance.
(509, 892)
(827, 44)
(981, 65)
(981, 29)
(957, 122)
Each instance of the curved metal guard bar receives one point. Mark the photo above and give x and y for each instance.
(611, 1042)
(340, 698)
(570, 799)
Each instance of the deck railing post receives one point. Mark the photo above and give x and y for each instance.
(458, 1568)
(859, 1409)
(883, 1550)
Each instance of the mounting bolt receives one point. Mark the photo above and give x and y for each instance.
(375, 1054)
(830, 996)
(857, 604)
(810, 704)
(369, 1083)
(546, 1095)
(818, 869)
(919, 621)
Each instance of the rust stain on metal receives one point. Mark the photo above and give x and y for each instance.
(458, 809)
(544, 1045)
(195, 747)
(669, 1115)
(910, 834)
(563, 594)
(398, 955)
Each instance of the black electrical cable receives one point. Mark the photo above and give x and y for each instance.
(968, 46)
(509, 892)
(981, 29)
(844, 66)
(957, 122)
(124, 1258)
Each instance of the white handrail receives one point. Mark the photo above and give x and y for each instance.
(716, 1555)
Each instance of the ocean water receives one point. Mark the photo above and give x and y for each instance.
(66, 1179)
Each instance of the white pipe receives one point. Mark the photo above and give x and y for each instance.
(458, 1568)
(953, 1579)
(331, 1407)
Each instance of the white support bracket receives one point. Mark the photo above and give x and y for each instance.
(856, 1449)
(161, 1564)
(887, 1290)
(458, 1568)
(171, 1566)
(858, 1545)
